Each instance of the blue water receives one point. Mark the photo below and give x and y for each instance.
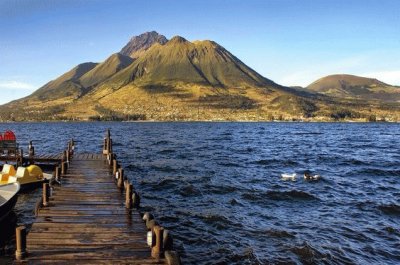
(217, 187)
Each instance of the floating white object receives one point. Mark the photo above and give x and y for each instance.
(291, 177)
(150, 238)
(316, 177)
(308, 176)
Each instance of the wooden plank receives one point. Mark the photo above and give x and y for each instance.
(98, 261)
(73, 254)
(86, 221)
(67, 235)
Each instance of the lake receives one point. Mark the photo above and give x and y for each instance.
(218, 188)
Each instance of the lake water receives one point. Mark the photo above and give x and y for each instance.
(217, 187)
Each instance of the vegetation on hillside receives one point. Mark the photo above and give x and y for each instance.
(153, 78)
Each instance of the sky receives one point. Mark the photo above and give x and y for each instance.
(292, 42)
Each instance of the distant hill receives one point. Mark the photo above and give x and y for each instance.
(153, 78)
(350, 86)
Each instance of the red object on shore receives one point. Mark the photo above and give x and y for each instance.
(9, 135)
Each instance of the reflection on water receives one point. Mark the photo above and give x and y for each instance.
(217, 187)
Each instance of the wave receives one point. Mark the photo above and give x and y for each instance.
(266, 161)
(306, 253)
(279, 233)
(378, 172)
(167, 169)
(287, 162)
(166, 151)
(229, 164)
(292, 195)
(189, 190)
(391, 209)
(162, 142)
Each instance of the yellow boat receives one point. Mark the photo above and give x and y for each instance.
(28, 177)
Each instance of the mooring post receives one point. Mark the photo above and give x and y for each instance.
(107, 144)
(128, 196)
(69, 148)
(67, 155)
(157, 249)
(135, 200)
(120, 181)
(20, 157)
(20, 237)
(112, 157)
(72, 145)
(45, 194)
(57, 173)
(114, 167)
(109, 159)
(63, 171)
(31, 149)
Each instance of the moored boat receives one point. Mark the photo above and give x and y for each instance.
(28, 177)
(8, 198)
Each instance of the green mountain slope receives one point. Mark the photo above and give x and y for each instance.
(156, 79)
(181, 61)
(102, 71)
(65, 85)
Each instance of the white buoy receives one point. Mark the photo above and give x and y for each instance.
(150, 238)
(291, 177)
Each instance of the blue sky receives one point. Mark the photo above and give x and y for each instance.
(292, 42)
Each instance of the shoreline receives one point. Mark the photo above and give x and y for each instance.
(199, 121)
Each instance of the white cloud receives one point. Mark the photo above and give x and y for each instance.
(16, 85)
(389, 77)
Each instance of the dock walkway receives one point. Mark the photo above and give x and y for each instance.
(86, 221)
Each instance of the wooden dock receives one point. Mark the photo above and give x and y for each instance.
(48, 159)
(88, 219)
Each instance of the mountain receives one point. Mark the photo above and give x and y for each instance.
(103, 71)
(351, 86)
(200, 62)
(65, 85)
(153, 78)
(139, 44)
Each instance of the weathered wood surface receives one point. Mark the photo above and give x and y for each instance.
(38, 158)
(86, 221)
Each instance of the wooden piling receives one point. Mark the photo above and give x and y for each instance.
(72, 145)
(67, 155)
(120, 180)
(45, 195)
(115, 164)
(57, 173)
(135, 200)
(31, 149)
(107, 143)
(20, 157)
(63, 169)
(172, 258)
(128, 196)
(20, 237)
(157, 249)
